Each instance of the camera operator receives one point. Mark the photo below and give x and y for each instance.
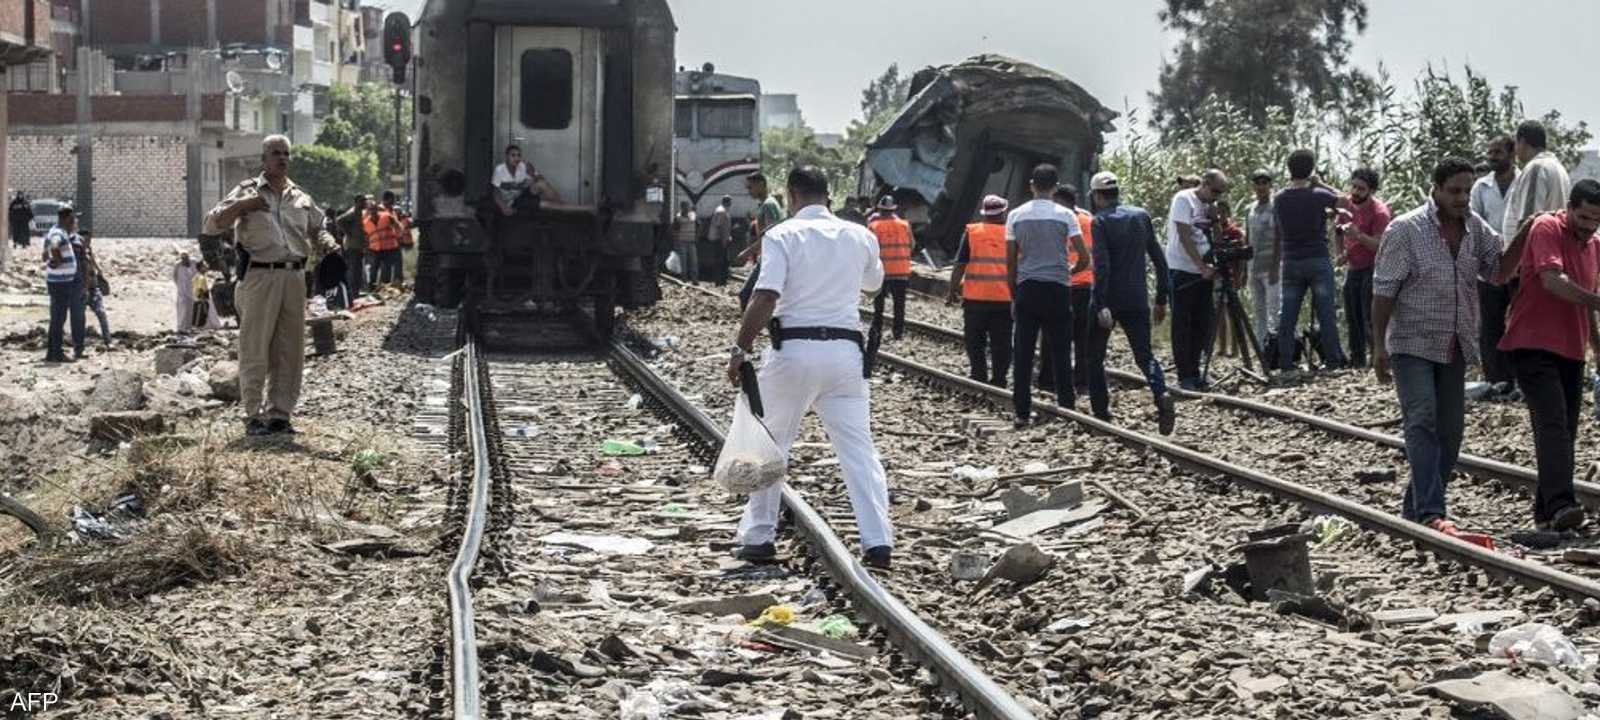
(1193, 310)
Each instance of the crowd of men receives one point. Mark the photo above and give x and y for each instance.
(1497, 266)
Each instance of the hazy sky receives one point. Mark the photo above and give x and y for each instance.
(826, 50)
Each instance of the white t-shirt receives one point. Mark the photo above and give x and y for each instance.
(503, 176)
(819, 265)
(1189, 209)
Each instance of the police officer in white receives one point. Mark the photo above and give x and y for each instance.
(814, 270)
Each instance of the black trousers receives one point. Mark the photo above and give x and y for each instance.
(895, 287)
(1553, 387)
(1494, 302)
(1042, 308)
(986, 326)
(1193, 314)
(749, 287)
(1082, 325)
(1358, 313)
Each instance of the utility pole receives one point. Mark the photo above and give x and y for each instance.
(194, 165)
(84, 202)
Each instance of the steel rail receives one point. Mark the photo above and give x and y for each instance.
(1588, 493)
(1499, 564)
(463, 636)
(981, 695)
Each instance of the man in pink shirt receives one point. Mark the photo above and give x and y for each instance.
(1551, 319)
(1363, 218)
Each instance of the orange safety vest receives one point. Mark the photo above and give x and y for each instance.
(1085, 278)
(894, 245)
(985, 279)
(383, 232)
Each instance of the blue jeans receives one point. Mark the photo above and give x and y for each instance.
(1316, 275)
(66, 299)
(1432, 405)
(97, 303)
(1135, 325)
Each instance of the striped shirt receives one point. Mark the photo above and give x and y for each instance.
(67, 270)
(1435, 295)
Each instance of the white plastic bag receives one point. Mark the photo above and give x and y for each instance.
(750, 458)
(674, 263)
(1536, 642)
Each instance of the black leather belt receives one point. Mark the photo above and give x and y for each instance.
(820, 333)
(290, 265)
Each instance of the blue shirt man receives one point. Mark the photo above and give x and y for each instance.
(1124, 237)
(65, 284)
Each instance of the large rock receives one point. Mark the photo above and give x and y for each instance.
(116, 427)
(18, 407)
(169, 360)
(224, 380)
(116, 391)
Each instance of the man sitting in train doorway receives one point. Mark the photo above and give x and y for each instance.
(518, 187)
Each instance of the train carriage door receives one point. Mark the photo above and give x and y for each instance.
(549, 102)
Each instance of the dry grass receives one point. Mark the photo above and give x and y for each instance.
(213, 503)
(157, 558)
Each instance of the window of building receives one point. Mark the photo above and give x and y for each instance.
(726, 119)
(547, 89)
(683, 118)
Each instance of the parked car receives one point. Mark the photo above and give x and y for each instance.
(44, 215)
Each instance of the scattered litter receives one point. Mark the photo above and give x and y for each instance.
(1404, 616)
(525, 431)
(112, 524)
(799, 639)
(1065, 624)
(1329, 529)
(775, 615)
(608, 544)
(838, 627)
(1536, 642)
(1035, 467)
(968, 566)
(621, 447)
(1474, 623)
(1375, 475)
(1318, 608)
(975, 475)
(609, 468)
(635, 401)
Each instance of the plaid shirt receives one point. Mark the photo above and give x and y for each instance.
(1435, 295)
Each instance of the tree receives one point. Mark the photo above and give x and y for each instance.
(1259, 54)
(885, 94)
(362, 118)
(332, 176)
(784, 148)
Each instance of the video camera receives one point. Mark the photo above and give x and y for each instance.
(1229, 254)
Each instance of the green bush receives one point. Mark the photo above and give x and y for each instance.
(332, 176)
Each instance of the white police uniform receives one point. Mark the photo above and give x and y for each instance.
(820, 265)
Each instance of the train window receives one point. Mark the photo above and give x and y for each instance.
(725, 119)
(547, 89)
(683, 119)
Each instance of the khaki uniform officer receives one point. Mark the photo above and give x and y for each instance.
(280, 226)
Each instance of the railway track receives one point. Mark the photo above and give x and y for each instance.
(1588, 493)
(531, 428)
(1570, 581)
(1119, 572)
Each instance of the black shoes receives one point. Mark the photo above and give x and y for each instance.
(1567, 518)
(1166, 414)
(255, 427)
(758, 553)
(877, 557)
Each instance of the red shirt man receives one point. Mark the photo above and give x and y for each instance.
(1371, 218)
(1545, 334)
